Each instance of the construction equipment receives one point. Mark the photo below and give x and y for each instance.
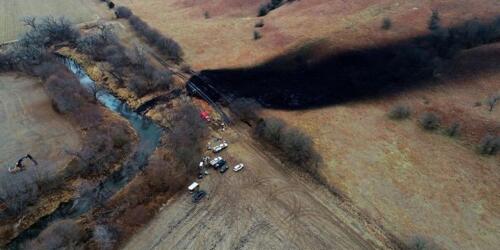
(19, 164)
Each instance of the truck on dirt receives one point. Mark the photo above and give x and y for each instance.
(220, 147)
(223, 169)
(194, 187)
(198, 195)
(238, 167)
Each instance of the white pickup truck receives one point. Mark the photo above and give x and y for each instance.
(220, 147)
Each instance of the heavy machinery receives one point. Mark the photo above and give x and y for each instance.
(20, 166)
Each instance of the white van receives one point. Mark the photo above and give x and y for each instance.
(193, 187)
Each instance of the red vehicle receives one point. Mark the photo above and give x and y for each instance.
(205, 116)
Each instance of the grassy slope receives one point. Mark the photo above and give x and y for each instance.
(12, 12)
(415, 183)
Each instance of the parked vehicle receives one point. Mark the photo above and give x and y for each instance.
(205, 116)
(220, 147)
(238, 167)
(215, 160)
(223, 169)
(193, 187)
(198, 195)
(220, 164)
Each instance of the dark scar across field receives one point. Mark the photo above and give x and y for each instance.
(296, 81)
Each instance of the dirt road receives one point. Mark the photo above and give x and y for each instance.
(262, 207)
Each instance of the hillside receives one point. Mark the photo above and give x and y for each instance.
(416, 184)
(225, 39)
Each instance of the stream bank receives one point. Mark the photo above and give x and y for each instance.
(149, 134)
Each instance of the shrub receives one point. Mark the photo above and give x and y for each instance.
(31, 47)
(489, 145)
(92, 44)
(63, 234)
(66, 93)
(256, 35)
(434, 21)
(17, 192)
(270, 129)
(263, 10)
(104, 237)
(186, 68)
(429, 121)
(259, 24)
(165, 45)
(169, 47)
(399, 112)
(138, 85)
(123, 12)
(115, 56)
(111, 5)
(245, 108)
(386, 24)
(206, 14)
(162, 79)
(453, 130)
(492, 101)
(188, 129)
(295, 145)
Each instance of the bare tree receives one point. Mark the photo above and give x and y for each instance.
(399, 112)
(30, 21)
(429, 121)
(104, 237)
(489, 145)
(245, 108)
(492, 101)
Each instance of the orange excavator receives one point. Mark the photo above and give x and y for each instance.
(20, 166)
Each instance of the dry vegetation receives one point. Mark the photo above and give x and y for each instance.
(169, 170)
(12, 11)
(102, 146)
(417, 184)
(423, 187)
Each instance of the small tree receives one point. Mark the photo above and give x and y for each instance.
(104, 237)
(429, 121)
(245, 108)
(206, 14)
(489, 145)
(270, 129)
(111, 5)
(256, 35)
(263, 10)
(434, 21)
(386, 24)
(399, 112)
(453, 130)
(492, 101)
(63, 234)
(259, 24)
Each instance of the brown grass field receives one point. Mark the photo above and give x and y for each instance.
(28, 124)
(415, 182)
(412, 182)
(12, 12)
(225, 40)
